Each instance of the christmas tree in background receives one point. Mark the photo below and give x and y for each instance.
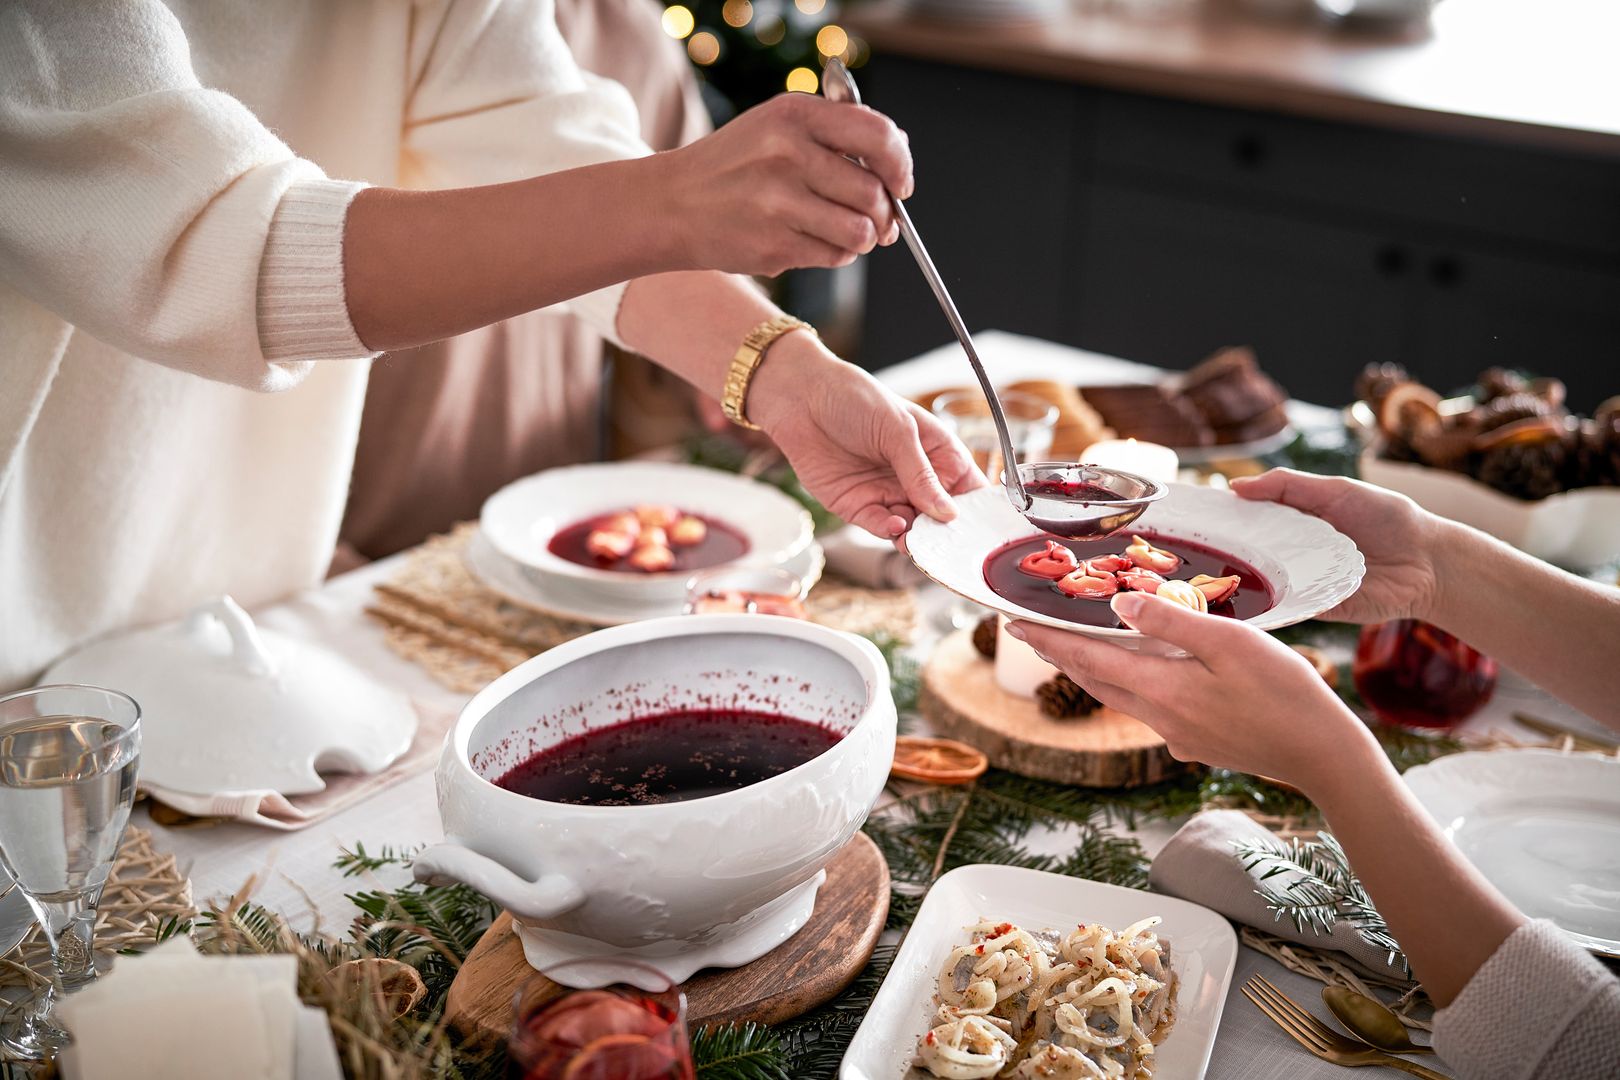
(748, 50)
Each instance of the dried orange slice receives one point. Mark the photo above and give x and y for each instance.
(937, 761)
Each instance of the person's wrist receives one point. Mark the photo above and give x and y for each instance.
(796, 366)
(653, 195)
(1356, 765)
(1450, 548)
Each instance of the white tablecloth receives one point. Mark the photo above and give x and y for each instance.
(293, 872)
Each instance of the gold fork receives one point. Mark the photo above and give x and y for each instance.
(1320, 1039)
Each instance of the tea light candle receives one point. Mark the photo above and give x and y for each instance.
(1018, 669)
(1145, 459)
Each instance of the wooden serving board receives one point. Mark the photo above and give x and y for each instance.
(808, 969)
(1107, 749)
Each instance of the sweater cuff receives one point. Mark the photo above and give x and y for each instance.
(1517, 1004)
(302, 309)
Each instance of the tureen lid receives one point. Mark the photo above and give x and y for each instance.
(229, 707)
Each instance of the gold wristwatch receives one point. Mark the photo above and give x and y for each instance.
(734, 399)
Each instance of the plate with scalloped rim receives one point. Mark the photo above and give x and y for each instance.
(1309, 564)
(1541, 825)
(1202, 943)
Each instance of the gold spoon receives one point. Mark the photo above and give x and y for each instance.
(1370, 1021)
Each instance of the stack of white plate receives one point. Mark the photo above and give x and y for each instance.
(511, 553)
(986, 11)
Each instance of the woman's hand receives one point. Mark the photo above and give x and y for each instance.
(872, 458)
(774, 189)
(1400, 541)
(1243, 700)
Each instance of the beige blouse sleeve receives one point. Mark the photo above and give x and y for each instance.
(1540, 1008)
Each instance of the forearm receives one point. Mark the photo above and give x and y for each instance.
(424, 265)
(1447, 917)
(1558, 629)
(692, 323)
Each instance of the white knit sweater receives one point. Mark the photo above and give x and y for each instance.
(173, 184)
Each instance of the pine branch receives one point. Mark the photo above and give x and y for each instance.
(905, 675)
(357, 860)
(1407, 748)
(739, 1052)
(1320, 890)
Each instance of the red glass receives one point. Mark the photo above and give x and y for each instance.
(617, 1033)
(1417, 675)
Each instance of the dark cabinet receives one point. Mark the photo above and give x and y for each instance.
(1160, 230)
(1167, 280)
(996, 167)
(1478, 308)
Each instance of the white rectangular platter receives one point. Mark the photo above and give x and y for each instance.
(1203, 951)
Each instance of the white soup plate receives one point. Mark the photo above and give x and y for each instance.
(1309, 565)
(530, 589)
(1542, 826)
(521, 519)
(1203, 951)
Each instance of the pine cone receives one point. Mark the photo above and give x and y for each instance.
(1499, 382)
(1589, 462)
(1510, 408)
(1526, 470)
(1376, 380)
(984, 637)
(1064, 699)
(1594, 459)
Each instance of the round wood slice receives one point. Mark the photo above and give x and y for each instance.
(808, 969)
(1107, 749)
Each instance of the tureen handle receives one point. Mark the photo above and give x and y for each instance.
(247, 647)
(449, 862)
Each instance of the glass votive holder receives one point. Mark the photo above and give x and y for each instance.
(752, 590)
(1031, 421)
(617, 1032)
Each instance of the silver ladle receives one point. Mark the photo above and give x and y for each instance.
(837, 84)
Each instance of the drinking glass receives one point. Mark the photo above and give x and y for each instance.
(620, 1032)
(745, 589)
(67, 780)
(1030, 422)
(1416, 675)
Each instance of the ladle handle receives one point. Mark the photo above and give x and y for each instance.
(839, 85)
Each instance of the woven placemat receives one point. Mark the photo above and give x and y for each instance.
(437, 615)
(145, 890)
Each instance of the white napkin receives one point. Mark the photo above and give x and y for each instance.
(1199, 864)
(274, 810)
(173, 1014)
(864, 559)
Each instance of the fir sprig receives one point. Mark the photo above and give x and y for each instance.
(905, 675)
(430, 927)
(926, 833)
(357, 860)
(1320, 889)
(739, 1052)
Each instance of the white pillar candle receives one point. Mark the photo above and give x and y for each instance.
(1018, 669)
(1146, 459)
